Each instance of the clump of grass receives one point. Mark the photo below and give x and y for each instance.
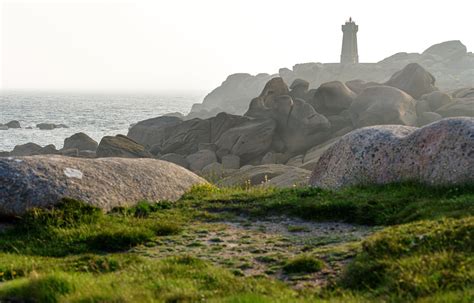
(416, 259)
(48, 289)
(67, 213)
(303, 264)
(143, 209)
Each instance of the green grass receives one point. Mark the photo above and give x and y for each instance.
(416, 259)
(371, 205)
(422, 249)
(303, 264)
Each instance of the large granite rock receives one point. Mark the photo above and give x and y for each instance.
(461, 107)
(27, 149)
(439, 153)
(50, 126)
(249, 141)
(80, 141)
(234, 94)
(298, 125)
(176, 159)
(13, 124)
(185, 137)
(383, 105)
(414, 80)
(201, 159)
(448, 50)
(332, 97)
(121, 146)
(41, 181)
(152, 131)
(299, 89)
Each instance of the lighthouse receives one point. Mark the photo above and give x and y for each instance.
(349, 54)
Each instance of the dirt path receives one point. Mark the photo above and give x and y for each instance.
(261, 247)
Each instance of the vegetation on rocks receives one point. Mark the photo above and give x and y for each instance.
(393, 243)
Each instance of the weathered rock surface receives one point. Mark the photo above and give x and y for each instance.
(332, 97)
(41, 181)
(80, 141)
(256, 175)
(185, 137)
(201, 159)
(292, 178)
(121, 146)
(428, 117)
(176, 159)
(448, 50)
(152, 131)
(458, 108)
(414, 80)
(383, 105)
(13, 124)
(230, 162)
(248, 141)
(27, 149)
(440, 153)
(50, 126)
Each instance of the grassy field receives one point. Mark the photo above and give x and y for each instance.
(394, 243)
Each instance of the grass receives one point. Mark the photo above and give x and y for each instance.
(421, 249)
(303, 264)
(371, 205)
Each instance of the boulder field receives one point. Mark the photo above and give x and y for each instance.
(284, 127)
(440, 153)
(41, 181)
(449, 62)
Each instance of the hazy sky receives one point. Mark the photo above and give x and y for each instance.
(194, 44)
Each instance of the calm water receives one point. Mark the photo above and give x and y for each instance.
(94, 114)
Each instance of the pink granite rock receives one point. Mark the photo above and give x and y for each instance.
(439, 153)
(41, 181)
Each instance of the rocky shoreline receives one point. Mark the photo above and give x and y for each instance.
(287, 129)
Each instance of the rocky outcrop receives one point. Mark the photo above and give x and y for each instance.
(331, 98)
(447, 51)
(185, 137)
(233, 95)
(383, 105)
(292, 178)
(105, 183)
(440, 153)
(414, 80)
(50, 126)
(80, 141)
(152, 131)
(257, 175)
(176, 159)
(27, 149)
(201, 159)
(249, 141)
(299, 89)
(13, 124)
(448, 62)
(121, 146)
(458, 108)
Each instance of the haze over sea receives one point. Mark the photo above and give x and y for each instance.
(97, 115)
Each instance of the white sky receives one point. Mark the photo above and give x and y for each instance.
(194, 44)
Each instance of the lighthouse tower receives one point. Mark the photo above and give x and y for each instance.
(349, 54)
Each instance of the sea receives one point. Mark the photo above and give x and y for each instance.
(96, 114)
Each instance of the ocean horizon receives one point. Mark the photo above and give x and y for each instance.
(97, 114)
